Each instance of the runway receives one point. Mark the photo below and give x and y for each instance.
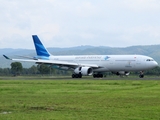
(83, 78)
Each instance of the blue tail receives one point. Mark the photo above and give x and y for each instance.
(40, 49)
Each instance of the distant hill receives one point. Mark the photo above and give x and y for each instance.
(149, 50)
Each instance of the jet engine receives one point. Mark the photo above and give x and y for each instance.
(84, 71)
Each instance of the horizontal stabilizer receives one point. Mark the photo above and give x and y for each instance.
(7, 57)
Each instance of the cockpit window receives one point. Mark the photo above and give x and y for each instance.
(149, 60)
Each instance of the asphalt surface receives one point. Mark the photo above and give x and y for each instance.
(83, 78)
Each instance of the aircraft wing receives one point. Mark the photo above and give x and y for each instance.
(54, 62)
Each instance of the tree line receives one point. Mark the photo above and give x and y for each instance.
(43, 69)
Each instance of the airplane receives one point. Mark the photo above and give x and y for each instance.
(96, 65)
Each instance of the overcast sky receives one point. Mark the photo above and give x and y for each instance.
(68, 23)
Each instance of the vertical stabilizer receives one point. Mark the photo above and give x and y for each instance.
(40, 49)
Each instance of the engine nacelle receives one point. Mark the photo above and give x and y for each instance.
(84, 70)
(122, 73)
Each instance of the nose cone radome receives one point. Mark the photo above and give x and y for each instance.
(155, 64)
(152, 65)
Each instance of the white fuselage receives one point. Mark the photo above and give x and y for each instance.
(111, 63)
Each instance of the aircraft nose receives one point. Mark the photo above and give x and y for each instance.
(155, 64)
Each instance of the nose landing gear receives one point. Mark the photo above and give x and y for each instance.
(141, 75)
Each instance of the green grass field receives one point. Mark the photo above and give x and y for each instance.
(79, 99)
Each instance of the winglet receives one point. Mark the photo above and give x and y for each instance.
(7, 57)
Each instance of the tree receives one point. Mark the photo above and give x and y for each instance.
(33, 69)
(16, 68)
(44, 69)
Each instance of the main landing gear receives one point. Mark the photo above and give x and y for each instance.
(141, 75)
(99, 75)
(77, 75)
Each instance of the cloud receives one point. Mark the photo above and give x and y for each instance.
(142, 5)
(76, 22)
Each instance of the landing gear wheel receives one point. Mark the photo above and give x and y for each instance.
(80, 75)
(73, 75)
(76, 75)
(141, 74)
(94, 75)
(98, 75)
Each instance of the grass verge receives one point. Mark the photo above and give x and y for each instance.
(79, 99)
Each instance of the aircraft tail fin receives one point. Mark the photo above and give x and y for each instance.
(40, 49)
